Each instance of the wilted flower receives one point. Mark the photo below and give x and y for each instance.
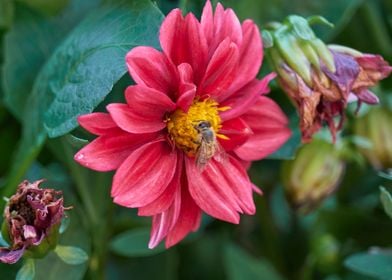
(192, 123)
(321, 80)
(376, 126)
(31, 221)
(313, 174)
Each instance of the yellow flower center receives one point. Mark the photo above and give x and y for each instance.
(182, 126)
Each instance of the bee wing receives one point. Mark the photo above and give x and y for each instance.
(202, 155)
(220, 154)
(207, 151)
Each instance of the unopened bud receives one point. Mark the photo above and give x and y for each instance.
(313, 175)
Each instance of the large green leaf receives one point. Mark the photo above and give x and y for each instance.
(85, 67)
(134, 243)
(240, 266)
(29, 43)
(377, 264)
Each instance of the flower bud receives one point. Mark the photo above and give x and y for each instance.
(321, 79)
(32, 218)
(313, 175)
(376, 126)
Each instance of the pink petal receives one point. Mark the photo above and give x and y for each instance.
(186, 90)
(220, 70)
(144, 175)
(165, 200)
(269, 125)
(243, 99)
(188, 219)
(222, 189)
(97, 123)
(196, 44)
(10, 256)
(226, 25)
(129, 120)
(207, 21)
(151, 68)
(237, 131)
(251, 54)
(265, 113)
(163, 222)
(107, 152)
(172, 35)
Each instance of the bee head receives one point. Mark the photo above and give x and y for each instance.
(202, 125)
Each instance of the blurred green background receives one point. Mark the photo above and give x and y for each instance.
(345, 235)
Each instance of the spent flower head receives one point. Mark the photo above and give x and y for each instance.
(195, 119)
(32, 217)
(321, 79)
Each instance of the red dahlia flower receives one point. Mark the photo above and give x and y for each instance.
(194, 119)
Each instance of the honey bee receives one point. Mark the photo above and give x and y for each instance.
(209, 145)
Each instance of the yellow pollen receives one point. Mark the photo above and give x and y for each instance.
(182, 126)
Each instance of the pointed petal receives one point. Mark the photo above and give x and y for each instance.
(151, 68)
(226, 25)
(188, 219)
(207, 21)
(367, 96)
(221, 190)
(237, 131)
(165, 200)
(144, 175)
(172, 36)
(186, 90)
(107, 152)
(126, 118)
(250, 56)
(220, 70)
(98, 123)
(240, 102)
(162, 223)
(270, 131)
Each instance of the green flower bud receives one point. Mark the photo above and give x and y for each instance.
(313, 175)
(376, 126)
(325, 249)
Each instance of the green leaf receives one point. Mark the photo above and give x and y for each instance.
(27, 271)
(47, 7)
(85, 67)
(71, 255)
(28, 44)
(134, 243)
(377, 264)
(386, 200)
(6, 13)
(19, 58)
(240, 266)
